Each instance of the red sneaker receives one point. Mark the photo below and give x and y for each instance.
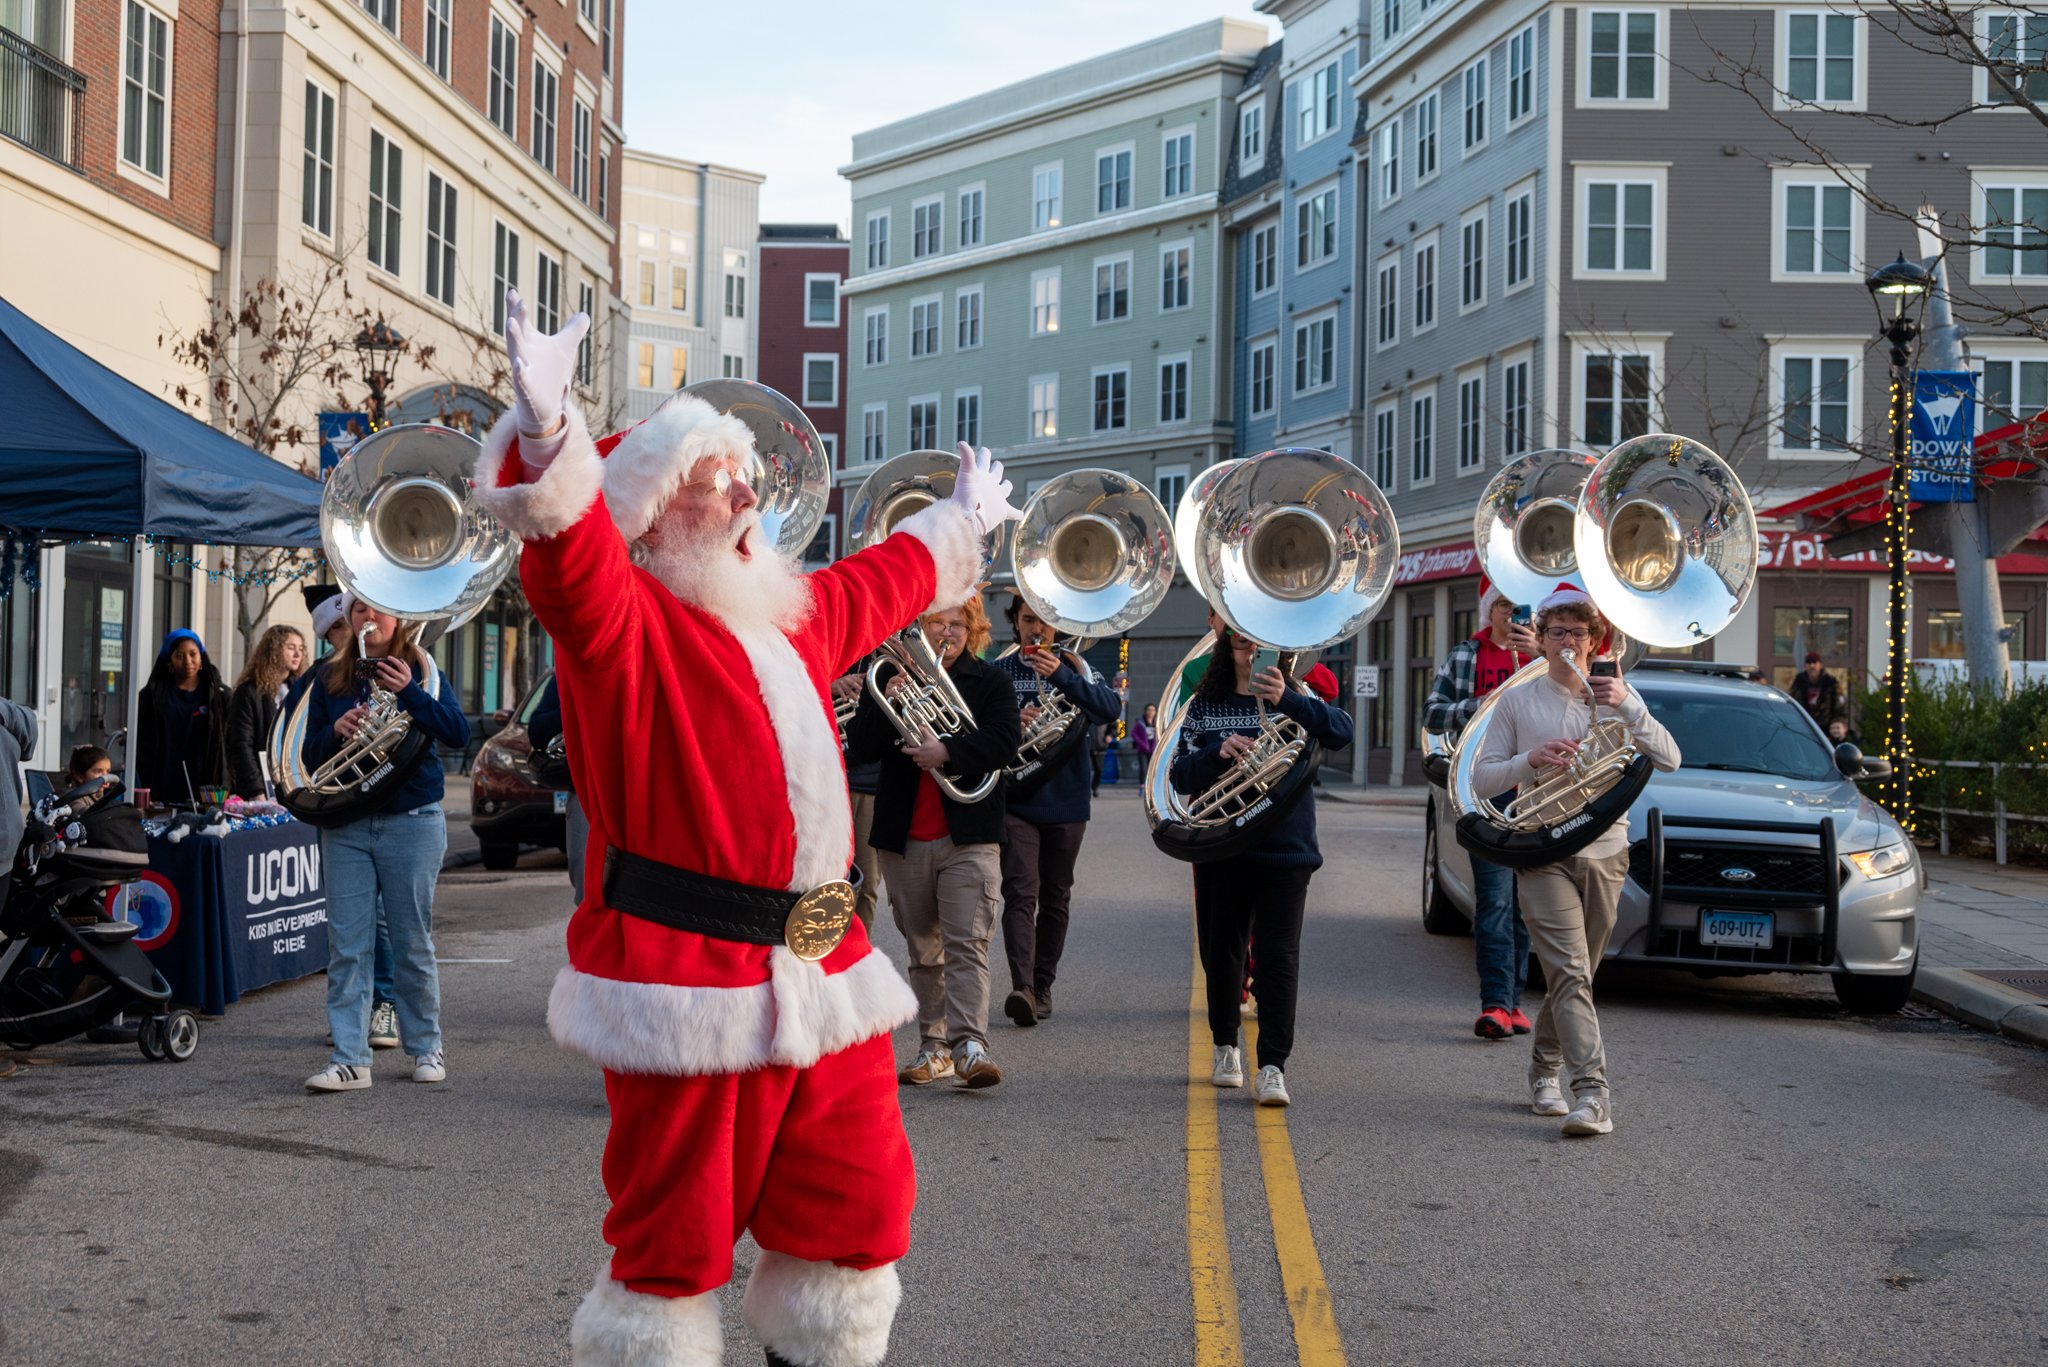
(1520, 1021)
(1493, 1023)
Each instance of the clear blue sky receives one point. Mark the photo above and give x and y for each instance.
(795, 79)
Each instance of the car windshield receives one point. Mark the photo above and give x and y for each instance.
(1746, 731)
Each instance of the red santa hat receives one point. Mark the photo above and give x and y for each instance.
(1321, 682)
(1488, 596)
(1565, 595)
(646, 464)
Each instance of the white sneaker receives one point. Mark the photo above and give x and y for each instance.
(1546, 1097)
(1227, 1070)
(1269, 1088)
(430, 1068)
(339, 1077)
(384, 1026)
(1590, 1115)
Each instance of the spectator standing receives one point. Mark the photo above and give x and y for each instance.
(1144, 735)
(181, 724)
(277, 661)
(1817, 691)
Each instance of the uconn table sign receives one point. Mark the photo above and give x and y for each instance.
(239, 911)
(283, 907)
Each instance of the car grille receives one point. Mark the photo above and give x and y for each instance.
(1789, 951)
(1697, 871)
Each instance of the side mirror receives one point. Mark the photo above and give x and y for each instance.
(1849, 761)
(1876, 767)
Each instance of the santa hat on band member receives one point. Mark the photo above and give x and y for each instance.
(332, 611)
(647, 463)
(1565, 595)
(1321, 682)
(1488, 596)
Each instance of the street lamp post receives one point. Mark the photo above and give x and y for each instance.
(1898, 289)
(377, 345)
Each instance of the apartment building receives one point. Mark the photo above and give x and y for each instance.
(1572, 238)
(800, 339)
(1038, 269)
(690, 229)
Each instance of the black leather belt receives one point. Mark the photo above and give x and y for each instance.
(811, 924)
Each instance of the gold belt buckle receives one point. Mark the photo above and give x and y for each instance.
(819, 920)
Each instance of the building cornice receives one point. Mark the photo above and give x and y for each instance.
(1172, 211)
(674, 163)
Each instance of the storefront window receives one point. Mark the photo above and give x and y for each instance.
(174, 590)
(1799, 630)
(1944, 637)
(1421, 664)
(1464, 623)
(1381, 717)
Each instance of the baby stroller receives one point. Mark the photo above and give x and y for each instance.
(65, 967)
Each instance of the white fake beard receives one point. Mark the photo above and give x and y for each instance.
(765, 589)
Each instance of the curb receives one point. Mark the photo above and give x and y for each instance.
(1984, 1004)
(1357, 797)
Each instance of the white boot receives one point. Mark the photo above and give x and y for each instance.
(617, 1327)
(821, 1314)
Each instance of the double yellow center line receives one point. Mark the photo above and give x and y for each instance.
(1218, 1340)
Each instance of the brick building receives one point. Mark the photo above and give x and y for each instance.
(800, 339)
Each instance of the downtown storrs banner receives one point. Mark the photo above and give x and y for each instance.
(1941, 466)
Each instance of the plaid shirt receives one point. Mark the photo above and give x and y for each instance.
(1452, 699)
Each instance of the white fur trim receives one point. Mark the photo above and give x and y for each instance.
(797, 1017)
(821, 1314)
(655, 458)
(811, 768)
(538, 509)
(618, 1327)
(1564, 595)
(948, 533)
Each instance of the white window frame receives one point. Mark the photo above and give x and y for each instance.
(1524, 194)
(1471, 390)
(1190, 181)
(1251, 136)
(1186, 362)
(1781, 78)
(735, 272)
(1128, 181)
(1095, 378)
(1042, 400)
(927, 335)
(1110, 263)
(1475, 115)
(877, 244)
(501, 83)
(387, 204)
(1423, 421)
(437, 32)
(1313, 94)
(1480, 217)
(2001, 351)
(874, 341)
(874, 433)
(1384, 450)
(152, 97)
(586, 350)
(1387, 301)
(324, 163)
(1269, 231)
(1387, 162)
(1048, 195)
(582, 125)
(1521, 69)
(385, 12)
(547, 291)
(1822, 180)
(1520, 436)
(934, 209)
(504, 268)
(1321, 319)
(546, 151)
(932, 431)
(961, 396)
(1043, 306)
(1269, 346)
(1583, 97)
(1587, 174)
(1160, 489)
(1332, 227)
(979, 218)
(1650, 345)
(1424, 283)
(962, 315)
(1983, 93)
(1982, 180)
(442, 256)
(1841, 348)
(1167, 252)
(1429, 149)
(831, 278)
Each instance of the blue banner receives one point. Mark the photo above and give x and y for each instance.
(339, 432)
(1941, 464)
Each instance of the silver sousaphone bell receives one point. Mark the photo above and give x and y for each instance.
(901, 486)
(791, 477)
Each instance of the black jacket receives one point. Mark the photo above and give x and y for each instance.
(990, 746)
(205, 755)
(251, 714)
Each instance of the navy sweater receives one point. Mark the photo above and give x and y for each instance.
(1289, 842)
(440, 715)
(1064, 797)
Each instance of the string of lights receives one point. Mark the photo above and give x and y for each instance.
(19, 557)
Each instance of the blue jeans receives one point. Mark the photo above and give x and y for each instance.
(381, 973)
(1500, 941)
(394, 858)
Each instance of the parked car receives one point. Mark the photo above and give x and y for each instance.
(508, 804)
(1757, 856)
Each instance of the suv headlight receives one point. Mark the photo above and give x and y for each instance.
(1883, 861)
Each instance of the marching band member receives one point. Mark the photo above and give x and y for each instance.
(1569, 905)
(1262, 892)
(942, 858)
(741, 1020)
(1044, 828)
(1500, 942)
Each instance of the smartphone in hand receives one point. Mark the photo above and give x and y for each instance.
(1522, 616)
(1605, 669)
(1263, 660)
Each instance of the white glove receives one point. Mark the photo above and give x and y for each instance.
(980, 491)
(541, 367)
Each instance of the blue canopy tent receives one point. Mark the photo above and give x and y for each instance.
(84, 452)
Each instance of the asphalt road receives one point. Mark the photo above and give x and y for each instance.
(1786, 1183)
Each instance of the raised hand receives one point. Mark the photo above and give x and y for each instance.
(542, 366)
(981, 492)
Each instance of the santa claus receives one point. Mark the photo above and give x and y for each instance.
(737, 1008)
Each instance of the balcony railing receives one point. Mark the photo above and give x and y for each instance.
(42, 101)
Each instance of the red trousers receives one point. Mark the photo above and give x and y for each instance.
(813, 1161)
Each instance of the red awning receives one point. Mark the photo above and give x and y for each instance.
(1858, 500)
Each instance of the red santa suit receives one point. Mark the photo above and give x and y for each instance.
(749, 1090)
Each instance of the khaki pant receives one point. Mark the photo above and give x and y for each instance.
(864, 859)
(946, 899)
(1569, 907)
